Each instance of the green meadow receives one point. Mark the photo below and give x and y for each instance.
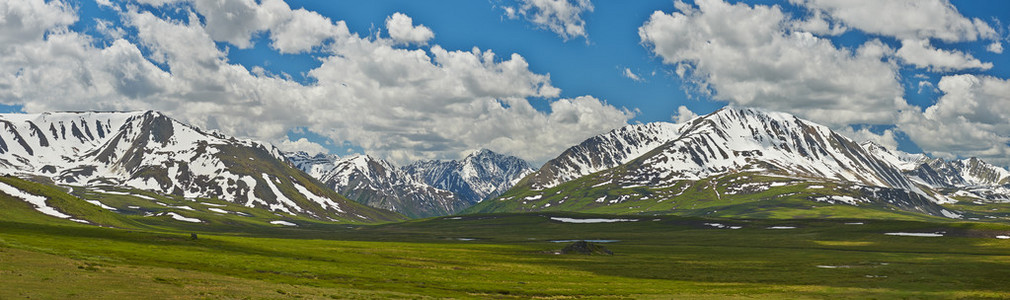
(136, 254)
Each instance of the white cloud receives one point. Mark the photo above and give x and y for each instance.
(305, 30)
(631, 75)
(563, 17)
(109, 29)
(970, 119)
(301, 144)
(683, 115)
(995, 47)
(26, 20)
(510, 12)
(401, 29)
(925, 86)
(922, 55)
(819, 24)
(750, 57)
(237, 21)
(395, 103)
(107, 3)
(904, 19)
(886, 138)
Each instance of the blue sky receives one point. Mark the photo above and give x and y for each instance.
(594, 62)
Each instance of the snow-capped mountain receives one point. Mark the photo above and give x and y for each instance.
(377, 183)
(150, 151)
(314, 165)
(732, 140)
(421, 189)
(478, 176)
(964, 177)
(603, 152)
(968, 172)
(659, 157)
(729, 140)
(902, 160)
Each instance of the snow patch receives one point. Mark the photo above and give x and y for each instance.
(183, 207)
(919, 234)
(100, 204)
(949, 214)
(722, 226)
(781, 227)
(218, 210)
(284, 201)
(38, 201)
(583, 221)
(285, 223)
(322, 201)
(183, 218)
(142, 196)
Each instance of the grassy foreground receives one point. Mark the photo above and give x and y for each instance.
(510, 256)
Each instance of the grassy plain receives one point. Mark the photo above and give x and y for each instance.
(483, 256)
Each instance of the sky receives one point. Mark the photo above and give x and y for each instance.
(415, 80)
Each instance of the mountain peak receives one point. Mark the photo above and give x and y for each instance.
(480, 152)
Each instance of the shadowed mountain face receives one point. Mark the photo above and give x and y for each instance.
(722, 153)
(150, 151)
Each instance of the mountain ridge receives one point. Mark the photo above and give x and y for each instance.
(713, 149)
(151, 151)
(421, 189)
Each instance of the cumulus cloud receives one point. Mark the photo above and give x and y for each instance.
(631, 75)
(236, 21)
(886, 138)
(301, 144)
(926, 86)
(395, 103)
(819, 24)
(995, 47)
(905, 19)
(750, 56)
(563, 17)
(683, 115)
(922, 55)
(27, 20)
(970, 119)
(401, 28)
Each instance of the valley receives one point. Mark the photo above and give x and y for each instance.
(472, 257)
(753, 215)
